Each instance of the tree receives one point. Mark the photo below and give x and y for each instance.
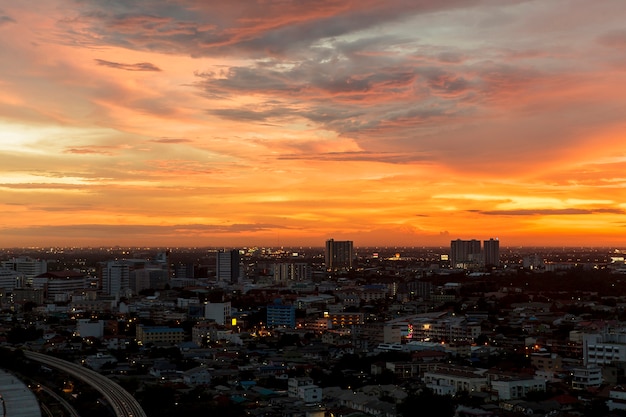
(426, 403)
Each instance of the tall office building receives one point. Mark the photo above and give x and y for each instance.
(491, 250)
(227, 266)
(115, 277)
(339, 255)
(465, 253)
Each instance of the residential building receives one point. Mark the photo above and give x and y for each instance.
(291, 271)
(304, 389)
(154, 334)
(448, 380)
(220, 313)
(339, 255)
(27, 295)
(604, 348)
(281, 315)
(585, 377)
(491, 255)
(338, 320)
(511, 387)
(617, 399)
(200, 375)
(465, 254)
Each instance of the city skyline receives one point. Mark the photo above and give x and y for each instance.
(403, 123)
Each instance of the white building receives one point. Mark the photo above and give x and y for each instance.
(448, 380)
(304, 389)
(511, 387)
(218, 312)
(115, 277)
(604, 348)
(90, 328)
(199, 375)
(617, 399)
(586, 377)
(27, 267)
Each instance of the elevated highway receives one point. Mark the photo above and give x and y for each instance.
(122, 402)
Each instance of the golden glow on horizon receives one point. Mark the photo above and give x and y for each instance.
(195, 124)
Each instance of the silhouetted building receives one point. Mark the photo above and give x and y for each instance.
(339, 255)
(491, 255)
(292, 271)
(227, 266)
(465, 253)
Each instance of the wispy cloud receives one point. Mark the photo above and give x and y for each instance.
(171, 140)
(6, 19)
(141, 66)
(551, 212)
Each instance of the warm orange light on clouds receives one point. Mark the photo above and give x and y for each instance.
(395, 122)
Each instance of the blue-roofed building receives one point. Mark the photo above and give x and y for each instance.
(281, 315)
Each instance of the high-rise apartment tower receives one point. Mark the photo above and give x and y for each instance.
(339, 255)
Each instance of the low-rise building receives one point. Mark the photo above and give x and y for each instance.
(153, 334)
(448, 379)
(510, 387)
(200, 375)
(304, 389)
(585, 377)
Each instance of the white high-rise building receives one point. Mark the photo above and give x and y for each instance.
(115, 277)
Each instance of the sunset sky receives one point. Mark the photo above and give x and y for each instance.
(289, 122)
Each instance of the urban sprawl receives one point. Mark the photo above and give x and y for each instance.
(472, 329)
